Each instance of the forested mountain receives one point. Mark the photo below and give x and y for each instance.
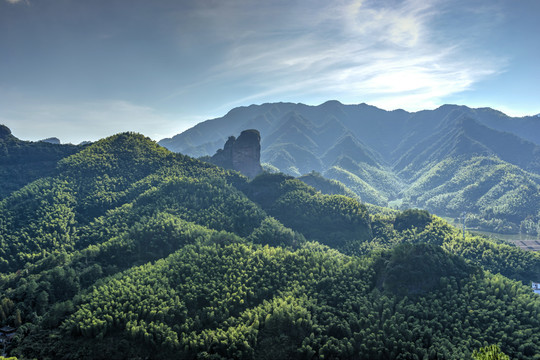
(127, 250)
(21, 162)
(387, 157)
(463, 137)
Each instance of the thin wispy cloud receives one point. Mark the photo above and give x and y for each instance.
(198, 59)
(353, 51)
(18, 1)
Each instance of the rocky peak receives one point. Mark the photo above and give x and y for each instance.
(246, 154)
(242, 154)
(4, 131)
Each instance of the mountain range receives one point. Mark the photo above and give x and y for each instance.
(450, 160)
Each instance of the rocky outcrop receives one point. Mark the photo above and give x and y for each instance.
(223, 157)
(52, 140)
(242, 154)
(246, 153)
(5, 132)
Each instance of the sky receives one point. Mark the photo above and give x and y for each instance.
(84, 70)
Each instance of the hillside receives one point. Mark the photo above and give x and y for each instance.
(385, 157)
(465, 137)
(131, 251)
(22, 162)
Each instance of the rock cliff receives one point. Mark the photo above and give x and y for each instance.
(242, 154)
(5, 132)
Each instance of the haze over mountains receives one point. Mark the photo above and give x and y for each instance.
(386, 132)
(412, 158)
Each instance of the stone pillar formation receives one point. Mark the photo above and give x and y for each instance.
(242, 154)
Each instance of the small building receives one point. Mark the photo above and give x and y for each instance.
(536, 287)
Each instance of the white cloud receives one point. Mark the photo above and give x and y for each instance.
(351, 50)
(18, 1)
(391, 53)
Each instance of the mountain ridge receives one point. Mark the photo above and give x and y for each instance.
(388, 150)
(240, 117)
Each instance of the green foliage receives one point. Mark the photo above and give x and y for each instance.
(374, 184)
(266, 188)
(491, 352)
(134, 252)
(22, 162)
(499, 196)
(412, 218)
(327, 186)
(334, 220)
(315, 215)
(235, 300)
(273, 233)
(410, 270)
(447, 161)
(496, 257)
(364, 190)
(505, 259)
(98, 195)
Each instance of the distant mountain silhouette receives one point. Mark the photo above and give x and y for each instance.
(388, 155)
(389, 134)
(52, 140)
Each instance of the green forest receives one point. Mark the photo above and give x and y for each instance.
(122, 249)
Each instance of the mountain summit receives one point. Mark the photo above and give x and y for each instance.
(4, 131)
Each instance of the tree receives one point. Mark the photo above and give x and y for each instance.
(412, 218)
(492, 352)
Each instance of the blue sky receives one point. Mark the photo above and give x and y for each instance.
(83, 70)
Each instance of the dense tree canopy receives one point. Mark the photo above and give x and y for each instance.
(130, 251)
